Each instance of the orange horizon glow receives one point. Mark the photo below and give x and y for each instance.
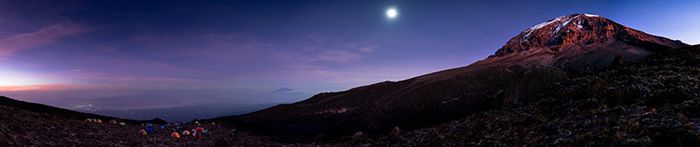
(42, 87)
(19, 88)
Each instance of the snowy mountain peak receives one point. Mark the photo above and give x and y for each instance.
(567, 38)
(560, 22)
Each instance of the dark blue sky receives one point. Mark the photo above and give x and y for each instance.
(95, 49)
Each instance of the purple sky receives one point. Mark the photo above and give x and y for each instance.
(72, 53)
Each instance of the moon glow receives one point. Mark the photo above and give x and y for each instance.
(392, 13)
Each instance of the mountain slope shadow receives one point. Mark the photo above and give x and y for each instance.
(651, 102)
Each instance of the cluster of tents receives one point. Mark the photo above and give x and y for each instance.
(99, 121)
(196, 132)
(178, 130)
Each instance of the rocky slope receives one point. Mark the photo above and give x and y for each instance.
(65, 113)
(655, 102)
(528, 65)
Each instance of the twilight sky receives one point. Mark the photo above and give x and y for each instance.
(157, 54)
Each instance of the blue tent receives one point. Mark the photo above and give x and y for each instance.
(150, 129)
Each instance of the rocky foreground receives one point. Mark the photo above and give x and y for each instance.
(24, 128)
(652, 103)
(19, 127)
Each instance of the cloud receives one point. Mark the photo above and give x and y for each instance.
(367, 49)
(319, 49)
(40, 37)
(337, 56)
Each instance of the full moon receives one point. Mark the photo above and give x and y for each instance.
(392, 13)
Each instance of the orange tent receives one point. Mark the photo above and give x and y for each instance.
(143, 132)
(175, 135)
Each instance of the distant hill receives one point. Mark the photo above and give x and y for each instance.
(187, 113)
(65, 113)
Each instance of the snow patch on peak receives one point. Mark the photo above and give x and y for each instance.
(539, 26)
(591, 15)
(566, 22)
(579, 25)
(562, 21)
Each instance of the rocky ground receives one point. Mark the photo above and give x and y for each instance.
(19, 127)
(652, 103)
(23, 128)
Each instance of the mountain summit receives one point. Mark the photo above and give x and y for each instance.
(577, 40)
(530, 64)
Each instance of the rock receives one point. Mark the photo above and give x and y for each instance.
(396, 132)
(358, 136)
(682, 118)
(221, 143)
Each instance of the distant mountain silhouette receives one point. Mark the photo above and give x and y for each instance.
(283, 90)
(530, 64)
(187, 113)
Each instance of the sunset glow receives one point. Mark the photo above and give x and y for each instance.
(18, 79)
(19, 88)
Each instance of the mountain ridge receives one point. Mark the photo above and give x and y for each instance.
(455, 93)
